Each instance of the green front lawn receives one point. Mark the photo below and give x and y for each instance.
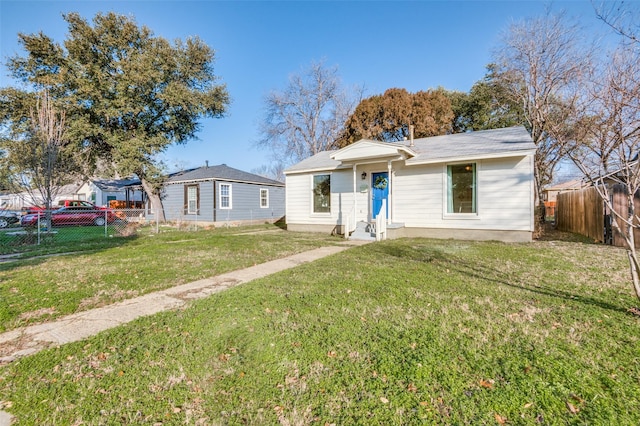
(410, 331)
(105, 270)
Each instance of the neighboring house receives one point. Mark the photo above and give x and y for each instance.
(476, 185)
(222, 194)
(550, 193)
(22, 200)
(101, 191)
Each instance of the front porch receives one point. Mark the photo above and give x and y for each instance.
(371, 212)
(377, 230)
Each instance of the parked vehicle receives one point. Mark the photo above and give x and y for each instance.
(79, 203)
(8, 218)
(32, 209)
(77, 215)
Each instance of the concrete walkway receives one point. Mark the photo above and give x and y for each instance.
(31, 339)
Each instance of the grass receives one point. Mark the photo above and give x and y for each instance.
(410, 331)
(80, 238)
(43, 288)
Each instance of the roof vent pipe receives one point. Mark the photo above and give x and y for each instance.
(206, 163)
(411, 126)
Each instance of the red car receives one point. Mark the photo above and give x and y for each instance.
(77, 215)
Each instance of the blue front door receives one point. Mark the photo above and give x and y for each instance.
(379, 192)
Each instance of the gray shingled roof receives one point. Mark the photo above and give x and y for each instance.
(435, 149)
(320, 161)
(221, 172)
(472, 144)
(114, 184)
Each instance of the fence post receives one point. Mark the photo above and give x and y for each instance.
(39, 216)
(106, 222)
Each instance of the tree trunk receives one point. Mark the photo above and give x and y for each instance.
(154, 198)
(633, 263)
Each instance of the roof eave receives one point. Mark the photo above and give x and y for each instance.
(317, 169)
(504, 154)
(173, 182)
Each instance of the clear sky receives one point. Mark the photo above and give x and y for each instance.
(415, 45)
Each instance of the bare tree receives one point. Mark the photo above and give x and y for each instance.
(38, 160)
(607, 149)
(542, 62)
(307, 117)
(622, 17)
(273, 171)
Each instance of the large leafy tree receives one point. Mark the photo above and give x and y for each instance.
(388, 117)
(127, 93)
(488, 105)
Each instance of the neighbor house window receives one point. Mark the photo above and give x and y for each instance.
(322, 194)
(225, 196)
(461, 188)
(192, 198)
(264, 198)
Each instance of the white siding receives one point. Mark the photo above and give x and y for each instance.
(504, 191)
(300, 202)
(504, 196)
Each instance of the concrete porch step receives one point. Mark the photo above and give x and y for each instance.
(364, 232)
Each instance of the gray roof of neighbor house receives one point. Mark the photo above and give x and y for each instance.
(573, 184)
(221, 172)
(458, 146)
(114, 184)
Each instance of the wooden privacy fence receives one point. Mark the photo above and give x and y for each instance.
(583, 212)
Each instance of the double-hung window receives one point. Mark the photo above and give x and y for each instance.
(192, 199)
(461, 188)
(225, 196)
(264, 198)
(322, 193)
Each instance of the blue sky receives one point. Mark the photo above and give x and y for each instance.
(415, 45)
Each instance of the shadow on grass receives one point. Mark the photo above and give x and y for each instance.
(492, 275)
(551, 233)
(281, 223)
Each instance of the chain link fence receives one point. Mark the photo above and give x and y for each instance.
(67, 229)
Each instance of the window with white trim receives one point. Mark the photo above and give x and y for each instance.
(322, 193)
(461, 188)
(264, 198)
(191, 195)
(225, 196)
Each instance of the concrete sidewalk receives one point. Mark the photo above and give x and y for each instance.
(29, 340)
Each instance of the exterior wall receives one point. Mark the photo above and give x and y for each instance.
(299, 198)
(245, 203)
(461, 234)
(504, 200)
(504, 197)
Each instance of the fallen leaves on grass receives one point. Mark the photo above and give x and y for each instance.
(487, 384)
(573, 409)
(500, 419)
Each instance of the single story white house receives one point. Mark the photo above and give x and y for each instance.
(476, 186)
(101, 191)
